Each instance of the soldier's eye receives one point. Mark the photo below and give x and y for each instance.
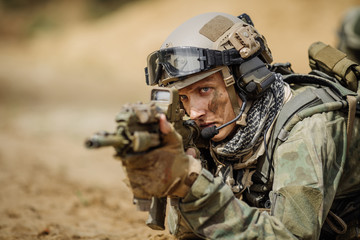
(205, 90)
(183, 98)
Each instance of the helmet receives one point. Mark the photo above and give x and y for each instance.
(209, 43)
(349, 34)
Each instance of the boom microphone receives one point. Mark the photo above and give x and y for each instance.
(209, 132)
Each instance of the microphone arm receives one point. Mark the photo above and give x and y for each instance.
(210, 132)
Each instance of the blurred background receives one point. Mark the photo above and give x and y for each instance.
(67, 67)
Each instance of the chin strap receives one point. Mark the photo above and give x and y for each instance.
(240, 116)
(229, 83)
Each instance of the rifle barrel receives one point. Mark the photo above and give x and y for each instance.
(104, 140)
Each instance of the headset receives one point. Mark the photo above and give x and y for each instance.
(252, 78)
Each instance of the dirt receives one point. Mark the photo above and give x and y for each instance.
(58, 88)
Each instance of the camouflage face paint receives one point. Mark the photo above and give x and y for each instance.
(214, 103)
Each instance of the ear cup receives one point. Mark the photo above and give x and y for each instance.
(253, 78)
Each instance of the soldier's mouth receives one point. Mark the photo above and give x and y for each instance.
(205, 125)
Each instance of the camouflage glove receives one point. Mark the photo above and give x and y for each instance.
(164, 171)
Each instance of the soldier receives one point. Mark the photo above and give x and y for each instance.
(349, 34)
(263, 174)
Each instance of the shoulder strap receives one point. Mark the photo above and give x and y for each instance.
(310, 97)
(330, 96)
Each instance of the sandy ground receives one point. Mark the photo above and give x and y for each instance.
(57, 89)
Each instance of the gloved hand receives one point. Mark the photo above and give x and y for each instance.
(164, 171)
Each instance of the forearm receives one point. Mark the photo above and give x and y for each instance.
(212, 211)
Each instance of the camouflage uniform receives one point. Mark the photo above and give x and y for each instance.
(311, 169)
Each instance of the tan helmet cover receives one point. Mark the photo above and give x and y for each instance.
(216, 31)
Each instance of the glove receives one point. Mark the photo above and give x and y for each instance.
(164, 171)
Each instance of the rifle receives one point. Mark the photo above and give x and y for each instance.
(138, 130)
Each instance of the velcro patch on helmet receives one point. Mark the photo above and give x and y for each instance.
(216, 27)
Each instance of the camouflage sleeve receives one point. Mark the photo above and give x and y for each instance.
(302, 193)
(213, 212)
(308, 168)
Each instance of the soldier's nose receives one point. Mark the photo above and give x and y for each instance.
(196, 113)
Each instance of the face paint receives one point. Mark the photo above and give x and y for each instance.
(214, 103)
